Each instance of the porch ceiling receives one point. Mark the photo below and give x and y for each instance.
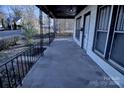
(62, 11)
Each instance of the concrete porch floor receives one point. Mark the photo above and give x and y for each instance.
(66, 65)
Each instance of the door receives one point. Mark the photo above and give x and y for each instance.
(78, 28)
(85, 35)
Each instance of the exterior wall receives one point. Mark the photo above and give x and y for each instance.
(113, 73)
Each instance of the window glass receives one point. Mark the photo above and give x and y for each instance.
(102, 28)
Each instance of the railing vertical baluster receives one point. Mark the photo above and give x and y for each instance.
(20, 80)
(38, 50)
(14, 75)
(40, 47)
(32, 53)
(22, 65)
(8, 78)
(28, 60)
(1, 83)
(33, 50)
(25, 62)
(49, 29)
(30, 56)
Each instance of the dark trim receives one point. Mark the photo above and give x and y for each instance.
(116, 66)
(79, 18)
(94, 38)
(82, 41)
(111, 30)
(110, 63)
(46, 10)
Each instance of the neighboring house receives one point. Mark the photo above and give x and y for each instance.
(14, 22)
(18, 21)
(2, 17)
(10, 22)
(99, 30)
(1, 27)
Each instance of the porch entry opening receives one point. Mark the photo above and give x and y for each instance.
(85, 34)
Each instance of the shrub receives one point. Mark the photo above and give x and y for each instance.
(7, 42)
(16, 39)
(29, 32)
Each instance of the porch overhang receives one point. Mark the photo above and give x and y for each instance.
(62, 11)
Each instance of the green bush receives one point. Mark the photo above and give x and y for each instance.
(29, 32)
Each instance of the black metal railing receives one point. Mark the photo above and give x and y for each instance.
(51, 36)
(14, 70)
(48, 37)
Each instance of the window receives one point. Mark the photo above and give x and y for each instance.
(117, 47)
(77, 35)
(109, 36)
(102, 28)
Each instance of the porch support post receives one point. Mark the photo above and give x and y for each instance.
(54, 27)
(1, 85)
(49, 31)
(41, 29)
